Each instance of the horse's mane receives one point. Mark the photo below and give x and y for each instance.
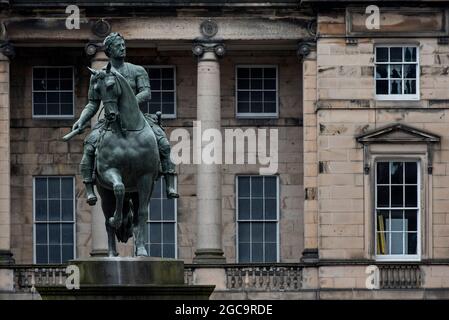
(127, 92)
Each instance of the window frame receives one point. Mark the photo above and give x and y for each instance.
(255, 115)
(237, 220)
(398, 97)
(399, 257)
(175, 91)
(73, 222)
(53, 117)
(175, 221)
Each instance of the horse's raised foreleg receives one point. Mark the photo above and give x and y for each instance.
(113, 177)
(144, 188)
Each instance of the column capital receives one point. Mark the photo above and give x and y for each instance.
(7, 50)
(203, 46)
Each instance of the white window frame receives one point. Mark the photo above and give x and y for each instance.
(250, 221)
(175, 221)
(256, 115)
(54, 117)
(398, 97)
(399, 257)
(73, 222)
(166, 116)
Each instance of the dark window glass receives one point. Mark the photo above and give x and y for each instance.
(383, 172)
(382, 87)
(383, 196)
(381, 54)
(163, 97)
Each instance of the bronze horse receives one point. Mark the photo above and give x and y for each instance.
(127, 161)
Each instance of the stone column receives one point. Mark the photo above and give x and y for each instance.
(6, 275)
(309, 76)
(99, 235)
(209, 241)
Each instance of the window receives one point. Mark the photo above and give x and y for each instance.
(257, 219)
(397, 209)
(161, 223)
(53, 92)
(54, 221)
(163, 91)
(397, 73)
(256, 91)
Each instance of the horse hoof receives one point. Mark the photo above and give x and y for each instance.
(141, 252)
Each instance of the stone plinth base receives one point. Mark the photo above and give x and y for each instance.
(141, 278)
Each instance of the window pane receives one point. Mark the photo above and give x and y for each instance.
(383, 195)
(244, 232)
(411, 243)
(270, 252)
(257, 231)
(39, 73)
(396, 54)
(257, 186)
(396, 71)
(243, 84)
(156, 250)
(54, 255)
(269, 107)
(243, 73)
(154, 73)
(409, 87)
(169, 209)
(256, 72)
(67, 233)
(40, 109)
(383, 172)
(383, 217)
(243, 107)
(256, 84)
(167, 73)
(155, 233)
(244, 252)
(269, 72)
(157, 189)
(54, 188)
(168, 85)
(382, 71)
(54, 233)
(67, 210)
(269, 96)
(257, 209)
(257, 252)
(409, 54)
(244, 187)
(53, 85)
(256, 107)
(411, 220)
(411, 196)
(256, 96)
(54, 210)
(242, 96)
(41, 210)
(39, 97)
(66, 73)
(168, 232)
(41, 233)
(382, 87)
(66, 85)
(41, 254)
(155, 210)
(269, 84)
(270, 209)
(52, 73)
(397, 243)
(409, 71)
(382, 54)
(397, 222)
(39, 85)
(397, 199)
(244, 209)
(396, 87)
(67, 188)
(41, 188)
(397, 169)
(168, 98)
(270, 232)
(67, 253)
(169, 250)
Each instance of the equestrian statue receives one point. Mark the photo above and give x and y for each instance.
(126, 151)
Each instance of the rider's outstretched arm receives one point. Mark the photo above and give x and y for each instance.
(88, 112)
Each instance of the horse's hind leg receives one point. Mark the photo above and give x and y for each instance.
(108, 207)
(113, 177)
(144, 187)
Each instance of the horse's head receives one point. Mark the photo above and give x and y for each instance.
(105, 85)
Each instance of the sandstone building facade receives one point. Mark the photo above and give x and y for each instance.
(361, 115)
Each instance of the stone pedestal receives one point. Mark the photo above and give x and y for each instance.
(141, 278)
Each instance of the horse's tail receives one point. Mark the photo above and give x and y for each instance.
(126, 229)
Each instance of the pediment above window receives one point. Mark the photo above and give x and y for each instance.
(397, 133)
